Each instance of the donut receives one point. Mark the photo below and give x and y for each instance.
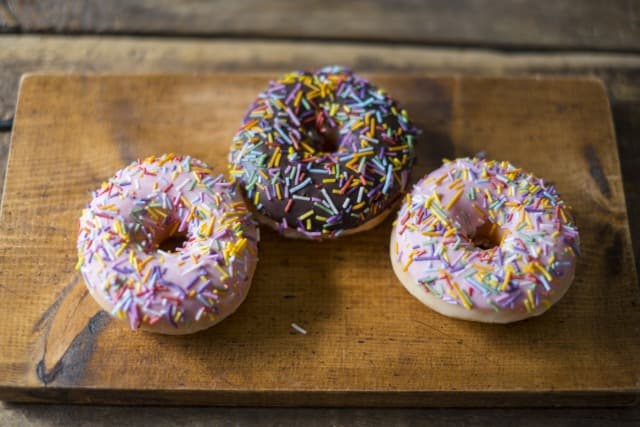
(323, 154)
(178, 291)
(485, 241)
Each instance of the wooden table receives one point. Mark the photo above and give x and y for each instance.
(469, 37)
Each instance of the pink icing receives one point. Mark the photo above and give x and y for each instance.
(537, 240)
(192, 288)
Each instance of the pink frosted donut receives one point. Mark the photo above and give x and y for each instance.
(178, 291)
(485, 241)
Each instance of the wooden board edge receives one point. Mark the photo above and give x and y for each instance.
(321, 398)
(16, 119)
(618, 163)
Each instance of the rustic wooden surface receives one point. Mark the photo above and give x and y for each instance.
(560, 24)
(621, 74)
(367, 338)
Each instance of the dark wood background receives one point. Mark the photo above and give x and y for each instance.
(469, 37)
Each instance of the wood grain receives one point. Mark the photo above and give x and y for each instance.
(369, 343)
(561, 24)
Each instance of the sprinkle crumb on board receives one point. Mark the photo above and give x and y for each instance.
(299, 329)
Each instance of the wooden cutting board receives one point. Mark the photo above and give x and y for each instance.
(369, 342)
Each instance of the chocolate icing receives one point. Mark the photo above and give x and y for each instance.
(339, 137)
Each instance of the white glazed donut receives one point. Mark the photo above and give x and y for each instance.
(485, 241)
(171, 292)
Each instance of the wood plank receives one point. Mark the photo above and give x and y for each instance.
(363, 347)
(21, 54)
(561, 24)
(74, 415)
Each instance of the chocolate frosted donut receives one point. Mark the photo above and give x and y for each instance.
(323, 154)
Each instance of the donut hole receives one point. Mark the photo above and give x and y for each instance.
(173, 242)
(325, 139)
(487, 236)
